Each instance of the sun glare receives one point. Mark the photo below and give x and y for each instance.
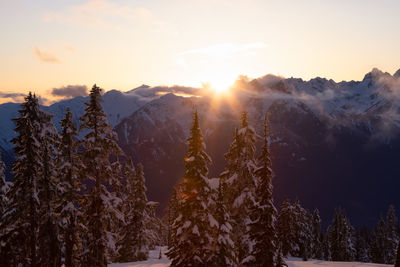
(221, 84)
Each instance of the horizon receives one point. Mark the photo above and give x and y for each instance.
(83, 90)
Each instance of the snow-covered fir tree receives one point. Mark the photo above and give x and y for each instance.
(392, 236)
(317, 248)
(342, 241)
(4, 186)
(378, 250)
(172, 209)
(326, 244)
(241, 180)
(192, 228)
(362, 245)
(224, 246)
(397, 262)
(154, 227)
(101, 205)
(20, 223)
(295, 230)
(263, 213)
(133, 245)
(69, 168)
(303, 232)
(285, 228)
(48, 182)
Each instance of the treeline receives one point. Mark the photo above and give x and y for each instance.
(232, 221)
(73, 202)
(300, 234)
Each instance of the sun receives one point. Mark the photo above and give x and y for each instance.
(220, 84)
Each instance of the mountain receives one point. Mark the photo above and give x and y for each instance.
(333, 143)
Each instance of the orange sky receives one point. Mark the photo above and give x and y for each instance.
(122, 44)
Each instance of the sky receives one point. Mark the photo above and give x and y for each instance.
(60, 48)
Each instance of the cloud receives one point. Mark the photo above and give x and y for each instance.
(227, 49)
(70, 91)
(100, 15)
(14, 97)
(148, 92)
(46, 56)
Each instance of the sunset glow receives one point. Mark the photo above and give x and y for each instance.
(123, 44)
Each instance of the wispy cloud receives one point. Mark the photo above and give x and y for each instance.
(227, 49)
(70, 91)
(46, 56)
(13, 97)
(99, 14)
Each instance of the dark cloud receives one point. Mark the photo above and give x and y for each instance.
(46, 56)
(11, 95)
(14, 97)
(70, 91)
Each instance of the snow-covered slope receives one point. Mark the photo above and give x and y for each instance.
(154, 261)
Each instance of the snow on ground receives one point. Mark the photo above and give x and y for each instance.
(154, 261)
(293, 262)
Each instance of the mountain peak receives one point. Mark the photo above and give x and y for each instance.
(397, 74)
(373, 74)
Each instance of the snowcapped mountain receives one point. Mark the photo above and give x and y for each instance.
(333, 143)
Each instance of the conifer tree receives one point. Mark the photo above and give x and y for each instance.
(362, 247)
(397, 263)
(241, 180)
(20, 223)
(263, 213)
(378, 251)
(99, 146)
(48, 182)
(133, 245)
(285, 227)
(224, 247)
(4, 186)
(316, 236)
(392, 236)
(192, 227)
(303, 232)
(326, 243)
(342, 243)
(69, 167)
(172, 209)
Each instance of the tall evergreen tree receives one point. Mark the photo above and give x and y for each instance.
(317, 248)
(241, 180)
(69, 167)
(172, 211)
(392, 236)
(224, 247)
(4, 186)
(303, 232)
(192, 227)
(378, 251)
(48, 182)
(285, 227)
(99, 146)
(133, 245)
(362, 240)
(20, 223)
(263, 213)
(397, 263)
(342, 243)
